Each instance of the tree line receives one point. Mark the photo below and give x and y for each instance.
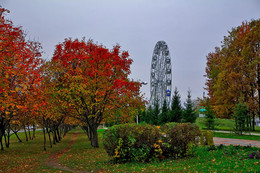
(84, 84)
(173, 113)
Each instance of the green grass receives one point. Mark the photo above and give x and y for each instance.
(234, 136)
(29, 156)
(222, 124)
(83, 157)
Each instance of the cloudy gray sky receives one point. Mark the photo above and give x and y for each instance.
(191, 28)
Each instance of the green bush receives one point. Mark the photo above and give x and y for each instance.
(131, 142)
(206, 138)
(181, 140)
(144, 142)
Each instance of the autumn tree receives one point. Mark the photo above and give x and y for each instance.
(94, 82)
(233, 71)
(19, 74)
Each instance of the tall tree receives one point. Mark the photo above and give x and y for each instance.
(19, 74)
(189, 114)
(95, 82)
(233, 71)
(175, 114)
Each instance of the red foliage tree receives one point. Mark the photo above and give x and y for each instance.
(94, 82)
(19, 73)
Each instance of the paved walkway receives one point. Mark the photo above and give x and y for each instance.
(228, 141)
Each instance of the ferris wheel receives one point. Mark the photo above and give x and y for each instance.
(161, 75)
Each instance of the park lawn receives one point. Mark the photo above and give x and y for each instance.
(29, 156)
(222, 124)
(235, 136)
(83, 157)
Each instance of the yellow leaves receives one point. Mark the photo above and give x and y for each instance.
(7, 113)
(160, 141)
(116, 154)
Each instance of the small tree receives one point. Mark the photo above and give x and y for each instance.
(189, 114)
(163, 116)
(156, 112)
(149, 115)
(209, 114)
(241, 116)
(176, 109)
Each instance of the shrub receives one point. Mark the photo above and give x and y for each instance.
(206, 138)
(143, 142)
(181, 139)
(168, 126)
(131, 142)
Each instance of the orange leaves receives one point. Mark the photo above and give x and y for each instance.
(233, 71)
(93, 78)
(19, 70)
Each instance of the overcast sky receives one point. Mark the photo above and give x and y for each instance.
(191, 28)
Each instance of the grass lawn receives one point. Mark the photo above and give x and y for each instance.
(234, 136)
(83, 157)
(222, 124)
(30, 157)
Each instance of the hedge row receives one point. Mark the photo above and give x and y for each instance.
(144, 142)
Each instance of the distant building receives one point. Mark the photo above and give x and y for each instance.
(202, 112)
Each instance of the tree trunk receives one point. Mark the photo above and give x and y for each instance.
(1, 141)
(29, 132)
(253, 122)
(17, 136)
(48, 131)
(58, 133)
(26, 137)
(53, 138)
(34, 129)
(87, 131)
(44, 138)
(94, 139)
(2, 132)
(6, 144)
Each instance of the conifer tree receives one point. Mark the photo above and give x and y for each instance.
(175, 114)
(209, 114)
(241, 117)
(156, 112)
(149, 115)
(189, 114)
(163, 116)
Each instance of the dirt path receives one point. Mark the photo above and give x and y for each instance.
(53, 159)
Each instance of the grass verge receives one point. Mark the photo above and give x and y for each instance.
(234, 136)
(221, 124)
